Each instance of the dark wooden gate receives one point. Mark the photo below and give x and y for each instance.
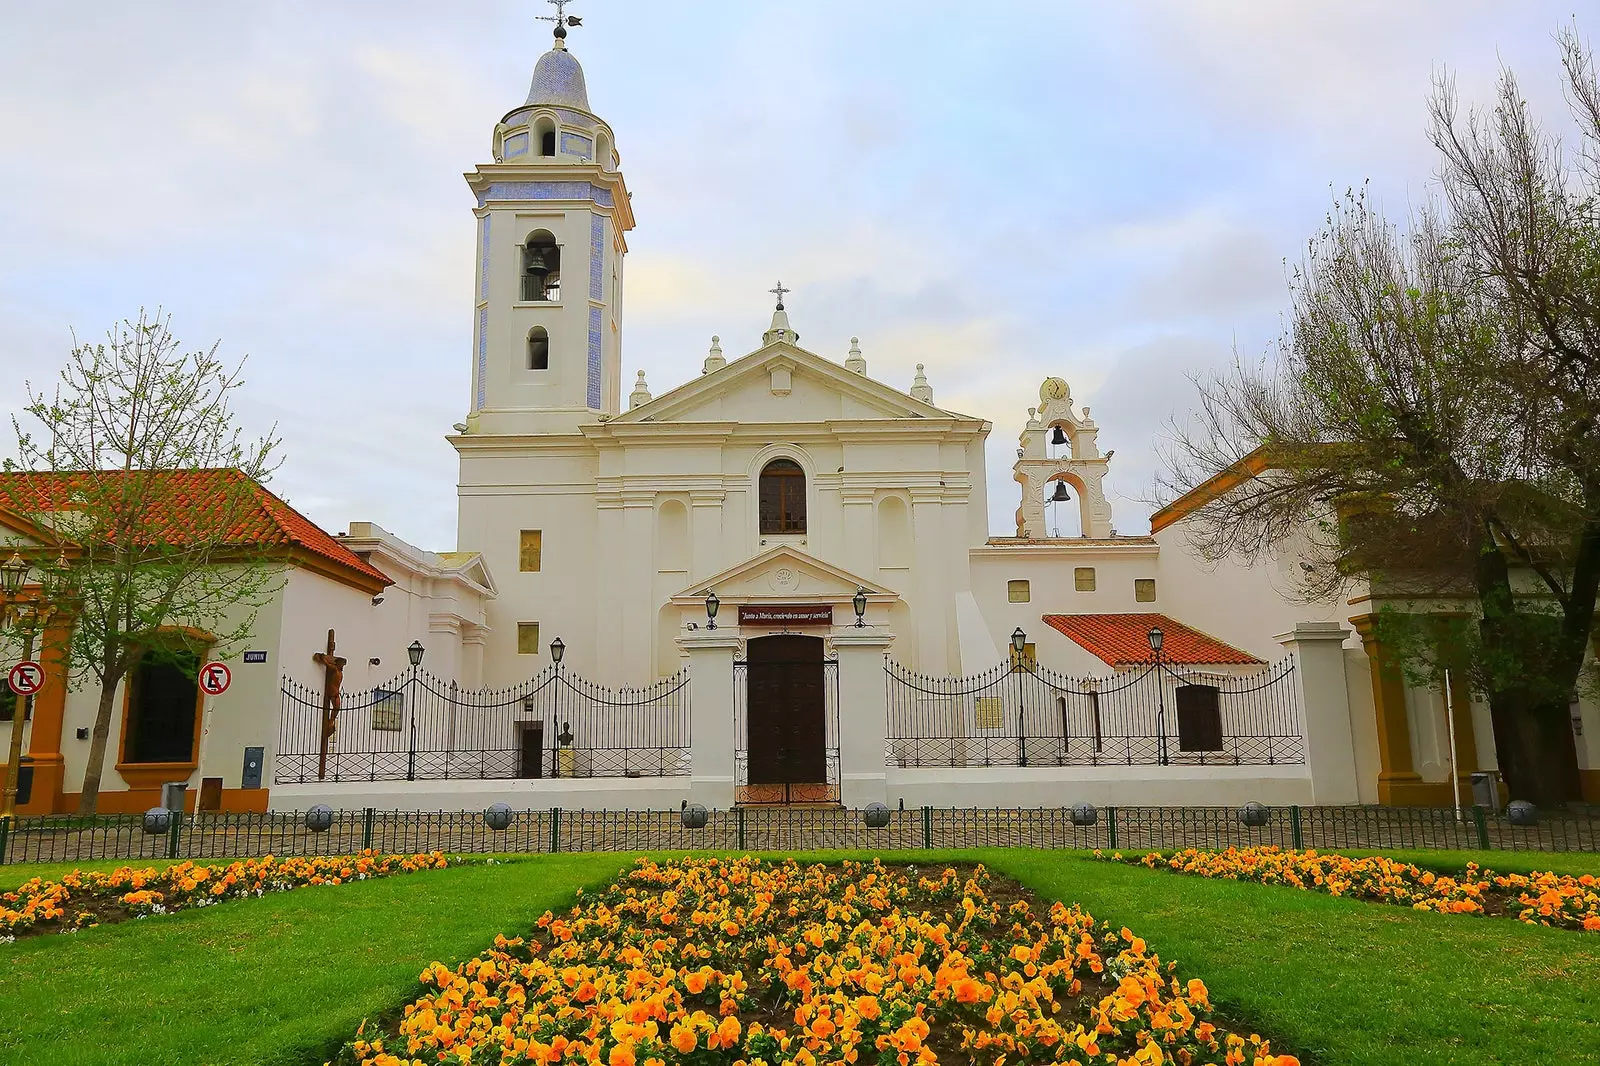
(785, 727)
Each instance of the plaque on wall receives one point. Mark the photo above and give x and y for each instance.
(786, 614)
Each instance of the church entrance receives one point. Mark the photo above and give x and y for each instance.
(786, 713)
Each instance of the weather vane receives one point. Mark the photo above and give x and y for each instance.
(780, 290)
(561, 18)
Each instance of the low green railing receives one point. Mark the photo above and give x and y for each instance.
(227, 836)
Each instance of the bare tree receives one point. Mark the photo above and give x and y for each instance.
(137, 471)
(1432, 419)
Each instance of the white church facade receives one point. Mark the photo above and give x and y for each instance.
(776, 583)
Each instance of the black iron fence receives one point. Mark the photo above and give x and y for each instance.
(1129, 829)
(1031, 715)
(419, 726)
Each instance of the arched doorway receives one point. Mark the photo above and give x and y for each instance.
(787, 737)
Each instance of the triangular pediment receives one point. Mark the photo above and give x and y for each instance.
(783, 574)
(781, 383)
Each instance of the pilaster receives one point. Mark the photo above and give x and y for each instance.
(1318, 648)
(711, 653)
(863, 715)
(1399, 784)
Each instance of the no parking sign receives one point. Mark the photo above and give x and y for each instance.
(26, 678)
(215, 678)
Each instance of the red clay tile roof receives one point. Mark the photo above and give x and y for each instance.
(1124, 640)
(266, 521)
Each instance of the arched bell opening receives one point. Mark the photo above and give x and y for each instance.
(541, 268)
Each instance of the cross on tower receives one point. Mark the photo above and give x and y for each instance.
(561, 18)
(780, 290)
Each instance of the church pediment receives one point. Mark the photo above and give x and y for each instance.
(781, 383)
(784, 574)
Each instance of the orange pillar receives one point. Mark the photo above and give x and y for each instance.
(49, 712)
(1399, 784)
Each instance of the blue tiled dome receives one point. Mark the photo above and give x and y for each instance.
(558, 81)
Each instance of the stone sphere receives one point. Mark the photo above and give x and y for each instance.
(1085, 814)
(319, 819)
(695, 816)
(1521, 812)
(1255, 814)
(876, 815)
(498, 816)
(157, 820)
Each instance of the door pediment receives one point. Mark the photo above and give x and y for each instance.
(783, 574)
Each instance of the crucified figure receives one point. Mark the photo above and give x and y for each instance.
(332, 680)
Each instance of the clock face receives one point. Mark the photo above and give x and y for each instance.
(1052, 389)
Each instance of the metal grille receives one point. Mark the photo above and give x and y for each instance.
(1033, 716)
(420, 727)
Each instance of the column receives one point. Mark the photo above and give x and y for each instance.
(711, 730)
(705, 533)
(1398, 782)
(49, 713)
(863, 716)
(1319, 678)
(932, 595)
(860, 532)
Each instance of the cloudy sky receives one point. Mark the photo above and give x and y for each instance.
(1107, 192)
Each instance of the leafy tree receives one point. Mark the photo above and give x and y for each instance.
(136, 469)
(1431, 421)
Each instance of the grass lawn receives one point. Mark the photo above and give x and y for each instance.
(281, 979)
(286, 978)
(1342, 981)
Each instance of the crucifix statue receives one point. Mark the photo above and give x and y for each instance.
(779, 290)
(332, 679)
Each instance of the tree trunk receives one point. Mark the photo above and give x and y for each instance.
(1528, 701)
(89, 798)
(1536, 750)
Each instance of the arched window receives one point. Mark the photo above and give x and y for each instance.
(541, 267)
(672, 537)
(538, 348)
(783, 497)
(894, 533)
(544, 129)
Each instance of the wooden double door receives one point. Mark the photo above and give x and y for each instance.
(787, 719)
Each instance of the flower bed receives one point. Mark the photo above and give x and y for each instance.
(739, 961)
(86, 898)
(1537, 898)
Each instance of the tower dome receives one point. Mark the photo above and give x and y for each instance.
(558, 80)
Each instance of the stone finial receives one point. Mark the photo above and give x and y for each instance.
(920, 389)
(640, 393)
(714, 360)
(855, 363)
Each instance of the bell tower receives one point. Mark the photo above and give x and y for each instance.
(552, 213)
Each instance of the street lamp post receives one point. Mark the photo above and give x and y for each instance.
(12, 572)
(1155, 638)
(712, 604)
(413, 652)
(859, 602)
(1019, 644)
(558, 648)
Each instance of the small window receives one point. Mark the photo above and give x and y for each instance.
(1199, 718)
(531, 553)
(8, 705)
(989, 712)
(547, 142)
(783, 497)
(1083, 578)
(538, 348)
(1027, 661)
(1144, 589)
(1018, 592)
(527, 638)
(388, 707)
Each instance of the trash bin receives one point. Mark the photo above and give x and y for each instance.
(172, 795)
(25, 780)
(1485, 791)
